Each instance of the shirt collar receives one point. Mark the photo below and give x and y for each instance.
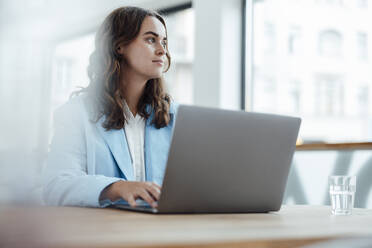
(129, 115)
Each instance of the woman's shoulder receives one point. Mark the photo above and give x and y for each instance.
(74, 109)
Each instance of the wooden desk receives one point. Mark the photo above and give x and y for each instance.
(87, 227)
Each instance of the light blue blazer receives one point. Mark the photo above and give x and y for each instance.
(84, 158)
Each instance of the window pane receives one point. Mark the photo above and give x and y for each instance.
(70, 62)
(310, 65)
(180, 27)
(330, 43)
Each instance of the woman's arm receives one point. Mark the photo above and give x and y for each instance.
(65, 177)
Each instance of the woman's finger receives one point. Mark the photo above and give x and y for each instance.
(147, 198)
(131, 200)
(152, 184)
(155, 192)
(157, 186)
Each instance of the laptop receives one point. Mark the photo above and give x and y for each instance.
(223, 161)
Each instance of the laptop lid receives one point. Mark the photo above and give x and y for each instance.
(227, 161)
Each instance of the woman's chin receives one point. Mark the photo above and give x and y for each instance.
(156, 75)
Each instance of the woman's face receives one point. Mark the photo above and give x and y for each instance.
(145, 55)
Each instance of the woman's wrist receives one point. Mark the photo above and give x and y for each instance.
(109, 192)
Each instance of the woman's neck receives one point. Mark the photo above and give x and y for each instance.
(133, 87)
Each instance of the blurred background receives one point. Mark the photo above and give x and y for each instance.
(307, 58)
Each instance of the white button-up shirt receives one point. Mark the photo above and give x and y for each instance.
(135, 134)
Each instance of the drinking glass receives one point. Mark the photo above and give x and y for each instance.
(342, 190)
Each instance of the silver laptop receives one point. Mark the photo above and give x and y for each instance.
(223, 161)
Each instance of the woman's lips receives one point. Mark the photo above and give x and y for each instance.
(158, 62)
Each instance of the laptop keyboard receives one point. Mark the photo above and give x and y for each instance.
(142, 203)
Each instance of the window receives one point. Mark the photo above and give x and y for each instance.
(266, 90)
(307, 67)
(180, 25)
(362, 45)
(329, 95)
(363, 4)
(363, 100)
(69, 70)
(269, 38)
(294, 97)
(294, 41)
(330, 43)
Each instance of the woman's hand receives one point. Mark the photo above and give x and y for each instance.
(130, 191)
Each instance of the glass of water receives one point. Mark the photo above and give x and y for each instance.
(342, 191)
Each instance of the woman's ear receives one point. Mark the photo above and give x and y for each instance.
(120, 50)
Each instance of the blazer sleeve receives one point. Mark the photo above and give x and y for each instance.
(65, 177)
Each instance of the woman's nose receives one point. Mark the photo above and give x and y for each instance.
(160, 51)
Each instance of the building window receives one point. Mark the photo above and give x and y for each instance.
(330, 43)
(363, 100)
(269, 38)
(294, 96)
(294, 40)
(362, 45)
(330, 96)
(266, 92)
(363, 4)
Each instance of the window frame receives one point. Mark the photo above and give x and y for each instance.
(247, 85)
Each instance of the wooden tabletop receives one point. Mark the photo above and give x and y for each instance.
(292, 226)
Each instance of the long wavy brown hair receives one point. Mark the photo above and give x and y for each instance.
(121, 27)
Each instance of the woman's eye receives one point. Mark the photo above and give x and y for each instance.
(151, 39)
(164, 43)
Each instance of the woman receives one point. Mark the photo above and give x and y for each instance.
(111, 141)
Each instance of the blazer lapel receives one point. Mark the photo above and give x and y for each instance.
(157, 142)
(117, 142)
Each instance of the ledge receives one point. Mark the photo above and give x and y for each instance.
(334, 146)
